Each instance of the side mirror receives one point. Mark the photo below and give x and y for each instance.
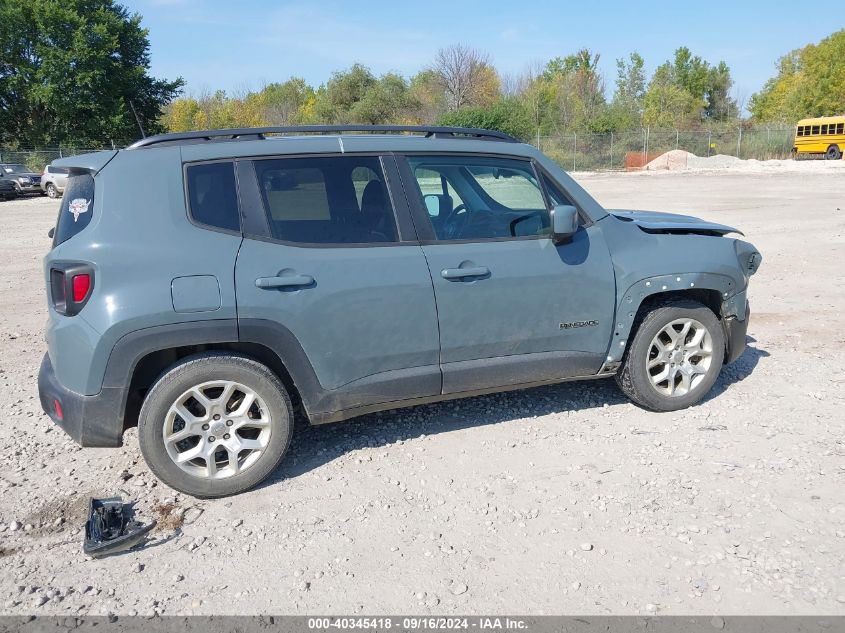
(564, 222)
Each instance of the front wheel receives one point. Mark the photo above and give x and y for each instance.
(215, 425)
(675, 357)
(833, 153)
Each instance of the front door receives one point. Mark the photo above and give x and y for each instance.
(335, 273)
(513, 307)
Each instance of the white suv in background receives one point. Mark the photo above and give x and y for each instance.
(53, 181)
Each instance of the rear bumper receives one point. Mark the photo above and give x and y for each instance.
(735, 331)
(89, 420)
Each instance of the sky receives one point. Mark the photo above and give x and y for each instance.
(238, 45)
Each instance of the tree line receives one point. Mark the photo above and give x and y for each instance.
(76, 72)
(461, 87)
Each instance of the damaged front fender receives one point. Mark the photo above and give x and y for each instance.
(733, 304)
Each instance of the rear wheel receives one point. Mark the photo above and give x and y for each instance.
(51, 190)
(833, 153)
(675, 357)
(215, 425)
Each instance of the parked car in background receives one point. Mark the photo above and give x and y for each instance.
(53, 181)
(26, 180)
(7, 189)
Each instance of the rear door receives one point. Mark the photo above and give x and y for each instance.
(514, 307)
(329, 263)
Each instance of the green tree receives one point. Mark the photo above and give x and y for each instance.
(284, 103)
(720, 105)
(384, 101)
(72, 72)
(346, 88)
(668, 104)
(578, 87)
(810, 82)
(626, 109)
(688, 90)
(507, 115)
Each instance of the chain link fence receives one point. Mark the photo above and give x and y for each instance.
(574, 152)
(590, 152)
(37, 159)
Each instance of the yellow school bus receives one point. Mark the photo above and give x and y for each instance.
(824, 135)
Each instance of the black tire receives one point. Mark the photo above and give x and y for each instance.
(833, 153)
(196, 370)
(51, 191)
(634, 378)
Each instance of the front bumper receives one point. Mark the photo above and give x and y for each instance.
(33, 187)
(735, 331)
(89, 420)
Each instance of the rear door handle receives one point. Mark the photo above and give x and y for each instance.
(284, 281)
(460, 273)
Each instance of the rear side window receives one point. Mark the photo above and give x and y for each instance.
(326, 200)
(76, 209)
(213, 195)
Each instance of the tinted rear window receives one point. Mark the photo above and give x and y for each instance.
(76, 209)
(327, 200)
(213, 195)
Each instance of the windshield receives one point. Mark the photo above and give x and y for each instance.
(15, 169)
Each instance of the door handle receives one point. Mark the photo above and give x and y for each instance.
(460, 273)
(284, 281)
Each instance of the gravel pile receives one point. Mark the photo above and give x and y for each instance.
(680, 160)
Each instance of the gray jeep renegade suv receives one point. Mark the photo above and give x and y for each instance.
(252, 271)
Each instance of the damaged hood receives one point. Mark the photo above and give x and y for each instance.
(656, 222)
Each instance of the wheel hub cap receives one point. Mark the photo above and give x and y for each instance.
(679, 356)
(216, 429)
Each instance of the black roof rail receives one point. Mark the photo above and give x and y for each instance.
(258, 133)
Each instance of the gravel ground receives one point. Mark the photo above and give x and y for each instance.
(563, 499)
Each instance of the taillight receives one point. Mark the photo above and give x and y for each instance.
(70, 287)
(81, 284)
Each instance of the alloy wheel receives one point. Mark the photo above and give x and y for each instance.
(216, 429)
(679, 357)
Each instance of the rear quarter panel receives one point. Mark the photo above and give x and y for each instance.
(138, 241)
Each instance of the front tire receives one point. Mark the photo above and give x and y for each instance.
(833, 153)
(675, 357)
(215, 425)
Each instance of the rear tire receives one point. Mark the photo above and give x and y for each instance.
(833, 153)
(51, 191)
(228, 420)
(675, 357)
